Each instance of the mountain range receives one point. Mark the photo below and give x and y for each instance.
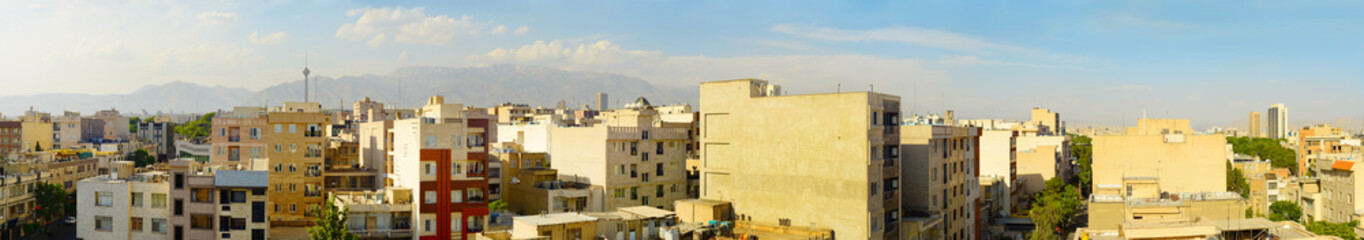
(404, 88)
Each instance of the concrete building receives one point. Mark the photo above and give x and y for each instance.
(297, 145)
(210, 203)
(1179, 162)
(531, 136)
(381, 214)
(1318, 141)
(1277, 121)
(831, 156)
(602, 102)
(1256, 131)
(937, 162)
(37, 131)
(1340, 187)
(17, 201)
(538, 190)
(159, 138)
(375, 140)
(115, 126)
(630, 155)
(1041, 158)
(442, 156)
(1159, 172)
(1048, 123)
(640, 222)
(343, 169)
(124, 207)
(238, 137)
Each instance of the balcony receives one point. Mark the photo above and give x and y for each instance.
(234, 157)
(312, 173)
(383, 233)
(234, 139)
(314, 133)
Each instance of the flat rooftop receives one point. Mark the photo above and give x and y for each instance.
(553, 219)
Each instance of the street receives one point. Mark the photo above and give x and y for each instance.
(60, 230)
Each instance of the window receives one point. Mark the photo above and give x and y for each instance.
(293, 167)
(426, 226)
(430, 141)
(293, 147)
(475, 140)
(634, 193)
(135, 224)
(158, 200)
(293, 207)
(159, 225)
(457, 140)
(644, 135)
(179, 207)
(430, 197)
(634, 148)
(201, 221)
(620, 193)
(659, 169)
(255, 133)
(456, 168)
(104, 199)
(456, 196)
(279, 167)
(279, 187)
(429, 168)
(454, 225)
(104, 223)
(293, 128)
(874, 116)
(255, 152)
(238, 196)
(659, 148)
(279, 148)
(179, 181)
(279, 128)
(620, 170)
(644, 158)
(659, 192)
(202, 195)
(136, 199)
(293, 187)
(475, 194)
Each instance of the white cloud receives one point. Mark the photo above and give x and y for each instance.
(268, 39)
(910, 35)
(522, 30)
(799, 71)
(384, 26)
(215, 17)
(498, 30)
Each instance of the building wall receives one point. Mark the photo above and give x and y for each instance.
(231, 134)
(598, 154)
(533, 137)
(1277, 122)
(11, 137)
(939, 155)
(1183, 164)
(374, 144)
(290, 163)
(1255, 129)
(1041, 158)
(769, 154)
(37, 132)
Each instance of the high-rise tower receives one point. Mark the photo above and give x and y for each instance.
(1278, 121)
(1255, 129)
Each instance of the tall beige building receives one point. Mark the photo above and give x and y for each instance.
(1278, 121)
(238, 137)
(937, 162)
(630, 156)
(297, 141)
(1255, 128)
(815, 160)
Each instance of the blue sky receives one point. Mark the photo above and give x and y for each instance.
(1095, 62)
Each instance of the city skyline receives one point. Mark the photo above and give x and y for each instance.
(1100, 63)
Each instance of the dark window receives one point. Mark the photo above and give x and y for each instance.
(179, 232)
(238, 224)
(645, 158)
(634, 148)
(179, 181)
(258, 192)
(659, 148)
(238, 196)
(258, 212)
(179, 207)
(224, 224)
(257, 234)
(660, 169)
(224, 197)
(644, 135)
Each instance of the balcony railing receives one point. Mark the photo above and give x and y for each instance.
(312, 133)
(312, 173)
(234, 139)
(234, 157)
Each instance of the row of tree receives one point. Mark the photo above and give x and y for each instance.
(199, 128)
(1265, 148)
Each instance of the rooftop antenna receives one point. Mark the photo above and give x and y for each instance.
(305, 76)
(839, 88)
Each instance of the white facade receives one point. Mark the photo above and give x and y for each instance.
(533, 137)
(997, 159)
(1277, 122)
(113, 208)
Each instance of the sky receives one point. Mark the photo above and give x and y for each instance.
(1096, 62)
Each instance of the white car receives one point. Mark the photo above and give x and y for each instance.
(70, 220)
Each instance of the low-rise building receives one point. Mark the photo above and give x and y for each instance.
(210, 203)
(380, 214)
(124, 207)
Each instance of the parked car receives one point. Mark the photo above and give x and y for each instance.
(70, 220)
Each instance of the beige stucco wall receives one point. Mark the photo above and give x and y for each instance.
(1195, 164)
(802, 158)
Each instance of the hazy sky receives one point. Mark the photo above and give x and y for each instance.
(1094, 62)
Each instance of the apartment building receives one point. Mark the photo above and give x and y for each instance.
(1256, 131)
(442, 156)
(1047, 123)
(238, 137)
(1317, 141)
(115, 126)
(539, 190)
(375, 140)
(124, 207)
(641, 222)
(1277, 121)
(344, 171)
(1040, 158)
(66, 129)
(630, 155)
(208, 202)
(938, 160)
(158, 137)
(817, 160)
(11, 137)
(36, 131)
(297, 142)
(1159, 170)
(1339, 185)
(379, 214)
(17, 201)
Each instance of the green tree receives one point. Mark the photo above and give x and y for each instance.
(52, 202)
(199, 128)
(331, 222)
(141, 158)
(1265, 148)
(1082, 150)
(497, 205)
(1054, 208)
(1342, 230)
(1236, 182)
(132, 124)
(1284, 210)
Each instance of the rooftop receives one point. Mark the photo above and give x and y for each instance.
(553, 219)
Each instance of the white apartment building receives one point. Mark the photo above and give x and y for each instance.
(135, 207)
